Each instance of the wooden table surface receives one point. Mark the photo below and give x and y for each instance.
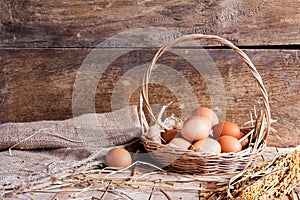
(147, 190)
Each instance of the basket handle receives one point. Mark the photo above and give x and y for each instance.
(217, 39)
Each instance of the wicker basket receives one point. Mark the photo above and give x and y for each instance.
(215, 167)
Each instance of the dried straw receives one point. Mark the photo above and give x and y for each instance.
(267, 180)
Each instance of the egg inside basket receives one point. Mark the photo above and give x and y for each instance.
(184, 155)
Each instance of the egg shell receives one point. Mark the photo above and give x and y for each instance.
(207, 145)
(180, 142)
(229, 144)
(169, 135)
(196, 128)
(245, 141)
(226, 128)
(118, 157)
(241, 135)
(207, 113)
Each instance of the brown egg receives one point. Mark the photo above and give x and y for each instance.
(180, 142)
(169, 135)
(118, 157)
(229, 144)
(241, 135)
(207, 113)
(245, 141)
(226, 128)
(196, 128)
(207, 145)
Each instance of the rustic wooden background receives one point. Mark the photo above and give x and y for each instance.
(43, 44)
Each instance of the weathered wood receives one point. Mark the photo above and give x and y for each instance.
(74, 23)
(35, 196)
(40, 84)
(182, 194)
(43, 76)
(269, 153)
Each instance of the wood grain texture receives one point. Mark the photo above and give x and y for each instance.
(74, 23)
(39, 84)
(42, 80)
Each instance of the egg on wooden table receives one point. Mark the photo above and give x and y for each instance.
(196, 128)
(118, 157)
(207, 113)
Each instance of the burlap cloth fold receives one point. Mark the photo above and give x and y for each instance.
(39, 149)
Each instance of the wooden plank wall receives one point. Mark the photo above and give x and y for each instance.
(44, 44)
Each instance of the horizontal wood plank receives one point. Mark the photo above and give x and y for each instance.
(44, 84)
(74, 23)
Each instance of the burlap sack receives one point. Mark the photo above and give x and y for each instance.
(44, 148)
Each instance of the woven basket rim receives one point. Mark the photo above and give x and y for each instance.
(178, 150)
